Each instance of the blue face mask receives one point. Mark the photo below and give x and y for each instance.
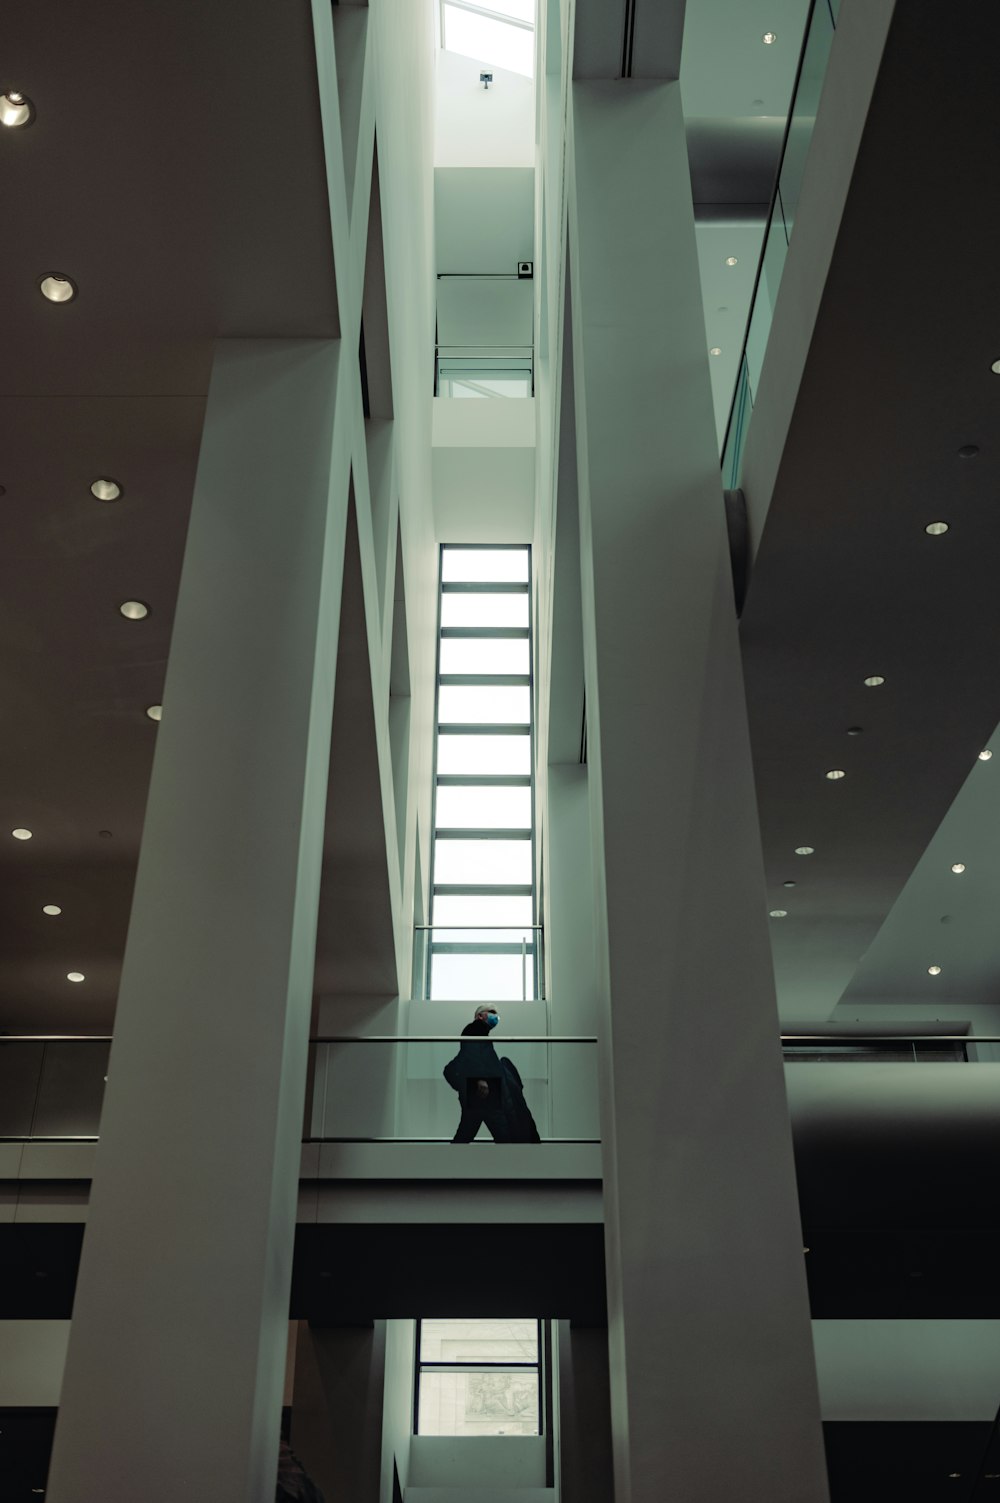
(492, 1019)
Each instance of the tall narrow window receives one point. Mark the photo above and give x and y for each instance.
(482, 945)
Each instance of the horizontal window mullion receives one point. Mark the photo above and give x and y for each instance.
(491, 832)
(484, 587)
(484, 780)
(484, 680)
(486, 633)
(488, 947)
(497, 1365)
(483, 890)
(485, 728)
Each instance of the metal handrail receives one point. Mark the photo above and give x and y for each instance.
(534, 1038)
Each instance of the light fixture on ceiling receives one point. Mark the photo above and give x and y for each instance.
(769, 38)
(779, 913)
(75, 976)
(835, 774)
(985, 754)
(958, 867)
(52, 909)
(933, 970)
(874, 681)
(804, 850)
(134, 610)
(788, 884)
(105, 489)
(155, 712)
(968, 451)
(936, 529)
(57, 288)
(995, 367)
(732, 260)
(15, 109)
(21, 834)
(715, 350)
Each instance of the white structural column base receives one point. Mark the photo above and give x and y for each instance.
(713, 1385)
(173, 1382)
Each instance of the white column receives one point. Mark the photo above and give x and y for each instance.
(712, 1375)
(174, 1373)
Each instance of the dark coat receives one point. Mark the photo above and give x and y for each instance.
(476, 1061)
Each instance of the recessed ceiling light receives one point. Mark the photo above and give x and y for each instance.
(836, 773)
(985, 754)
(105, 489)
(957, 867)
(134, 610)
(936, 529)
(57, 288)
(855, 730)
(155, 712)
(732, 260)
(15, 109)
(788, 884)
(968, 451)
(874, 682)
(933, 970)
(21, 834)
(779, 913)
(995, 367)
(769, 38)
(715, 350)
(804, 850)
(52, 909)
(75, 976)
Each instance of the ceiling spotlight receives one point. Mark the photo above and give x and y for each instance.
(968, 451)
(52, 909)
(57, 288)
(933, 970)
(15, 109)
(958, 867)
(995, 367)
(779, 913)
(855, 730)
(21, 834)
(804, 850)
(155, 712)
(985, 755)
(874, 682)
(769, 38)
(105, 489)
(134, 610)
(936, 529)
(788, 884)
(836, 773)
(715, 350)
(731, 260)
(75, 976)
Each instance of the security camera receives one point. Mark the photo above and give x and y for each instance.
(486, 79)
(525, 270)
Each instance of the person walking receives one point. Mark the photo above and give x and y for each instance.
(477, 1075)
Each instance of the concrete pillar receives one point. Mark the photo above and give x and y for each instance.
(713, 1384)
(173, 1382)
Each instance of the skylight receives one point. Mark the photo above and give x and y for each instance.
(500, 33)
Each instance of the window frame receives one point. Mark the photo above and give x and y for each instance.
(542, 1366)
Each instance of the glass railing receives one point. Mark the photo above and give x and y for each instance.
(478, 371)
(816, 45)
(484, 963)
(373, 1088)
(393, 1089)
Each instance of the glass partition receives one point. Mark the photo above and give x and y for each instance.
(813, 59)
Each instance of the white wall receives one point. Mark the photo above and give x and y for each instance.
(484, 470)
(32, 1358)
(477, 127)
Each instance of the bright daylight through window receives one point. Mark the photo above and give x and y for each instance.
(483, 942)
(498, 32)
(478, 1377)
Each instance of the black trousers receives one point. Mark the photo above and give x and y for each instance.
(477, 1109)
